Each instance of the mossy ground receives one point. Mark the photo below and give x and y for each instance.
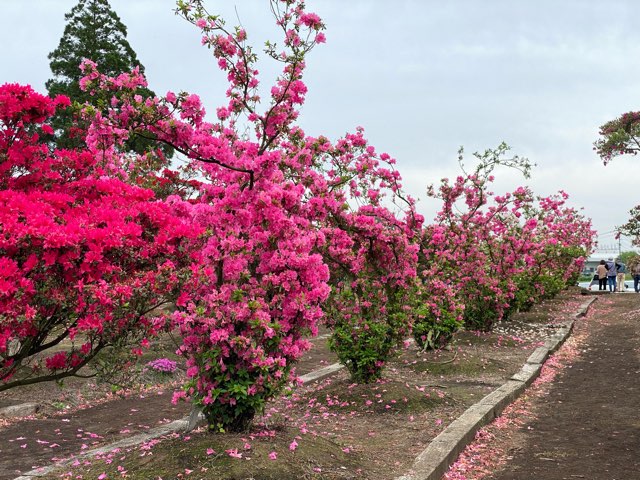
(203, 455)
(467, 366)
(470, 338)
(388, 397)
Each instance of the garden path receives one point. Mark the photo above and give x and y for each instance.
(587, 425)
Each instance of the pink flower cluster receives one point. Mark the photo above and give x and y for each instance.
(488, 246)
(163, 365)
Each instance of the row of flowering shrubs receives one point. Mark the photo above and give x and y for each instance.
(281, 231)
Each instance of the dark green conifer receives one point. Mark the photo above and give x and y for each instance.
(94, 31)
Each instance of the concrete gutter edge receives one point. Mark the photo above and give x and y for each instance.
(442, 452)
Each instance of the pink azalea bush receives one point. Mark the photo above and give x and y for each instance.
(162, 365)
(436, 306)
(558, 245)
(85, 257)
(372, 256)
(286, 217)
(488, 246)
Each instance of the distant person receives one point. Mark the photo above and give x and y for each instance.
(635, 271)
(612, 273)
(594, 281)
(601, 271)
(621, 268)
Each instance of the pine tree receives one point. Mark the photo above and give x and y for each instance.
(93, 31)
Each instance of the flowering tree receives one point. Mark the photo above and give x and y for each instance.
(466, 246)
(558, 246)
(621, 136)
(482, 243)
(85, 257)
(291, 221)
(373, 257)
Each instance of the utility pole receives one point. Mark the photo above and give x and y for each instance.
(619, 246)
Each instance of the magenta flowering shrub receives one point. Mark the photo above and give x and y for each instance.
(559, 244)
(85, 257)
(370, 306)
(468, 247)
(483, 244)
(371, 251)
(291, 222)
(437, 310)
(372, 255)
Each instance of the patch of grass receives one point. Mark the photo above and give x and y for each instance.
(59, 405)
(177, 458)
(467, 366)
(386, 397)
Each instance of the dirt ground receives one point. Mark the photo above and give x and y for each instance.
(585, 422)
(331, 429)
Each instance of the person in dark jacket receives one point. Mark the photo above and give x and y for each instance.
(635, 271)
(612, 273)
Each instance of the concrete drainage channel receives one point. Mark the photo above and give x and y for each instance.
(434, 461)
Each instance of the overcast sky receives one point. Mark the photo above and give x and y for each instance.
(422, 77)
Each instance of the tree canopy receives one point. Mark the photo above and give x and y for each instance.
(620, 136)
(628, 257)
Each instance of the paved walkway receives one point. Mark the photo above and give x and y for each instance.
(588, 426)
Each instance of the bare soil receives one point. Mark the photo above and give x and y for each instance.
(331, 429)
(585, 424)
